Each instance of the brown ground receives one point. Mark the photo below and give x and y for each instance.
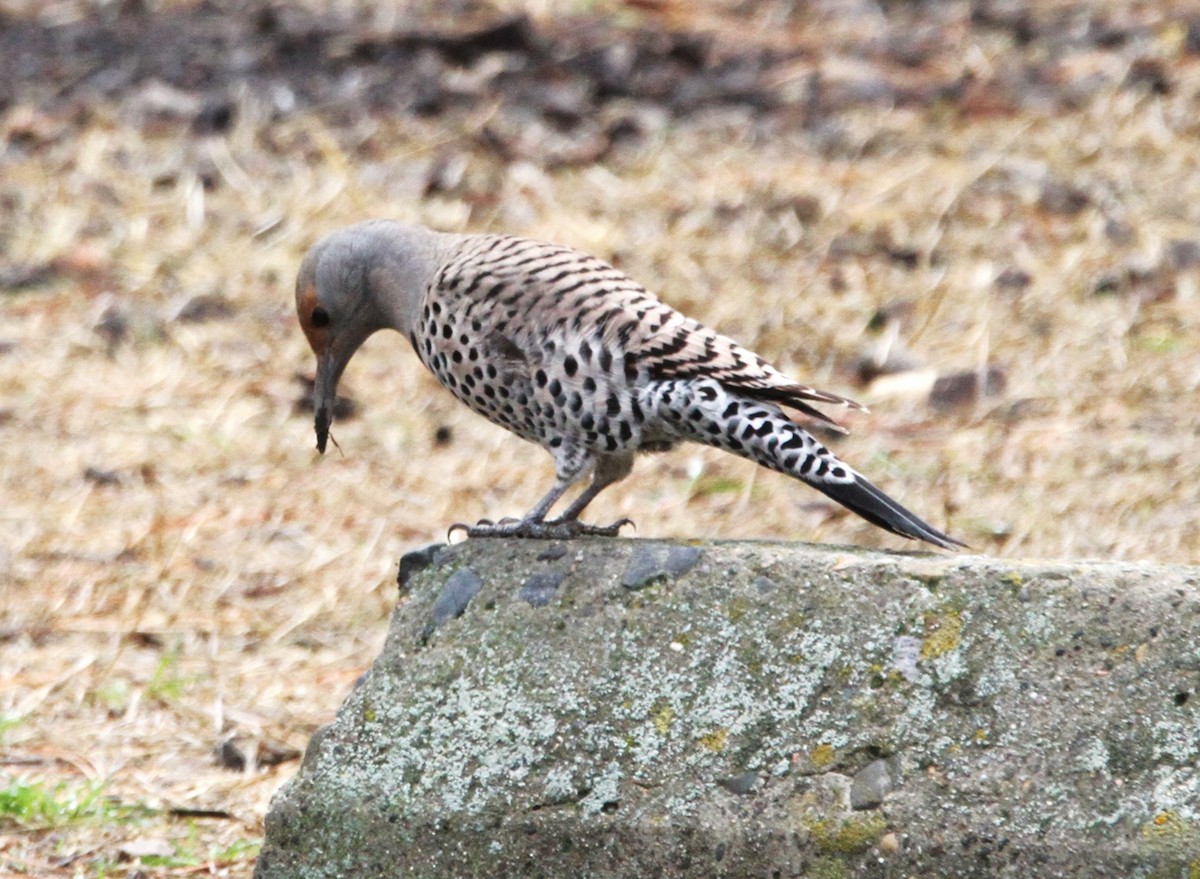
(1014, 188)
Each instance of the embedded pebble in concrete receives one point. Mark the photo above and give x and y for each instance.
(746, 783)
(552, 553)
(870, 785)
(540, 588)
(413, 562)
(764, 584)
(463, 585)
(651, 562)
(906, 653)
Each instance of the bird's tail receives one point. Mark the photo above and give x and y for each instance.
(704, 411)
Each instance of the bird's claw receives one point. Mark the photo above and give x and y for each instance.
(556, 529)
(459, 526)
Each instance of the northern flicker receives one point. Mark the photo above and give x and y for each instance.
(567, 352)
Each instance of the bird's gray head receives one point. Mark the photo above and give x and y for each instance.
(356, 281)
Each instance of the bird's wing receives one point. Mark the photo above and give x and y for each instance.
(683, 348)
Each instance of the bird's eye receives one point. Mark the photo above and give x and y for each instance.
(320, 317)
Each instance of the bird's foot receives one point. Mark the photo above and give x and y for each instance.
(556, 529)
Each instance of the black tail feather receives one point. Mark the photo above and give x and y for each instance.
(743, 422)
(864, 499)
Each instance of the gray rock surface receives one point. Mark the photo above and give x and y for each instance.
(762, 710)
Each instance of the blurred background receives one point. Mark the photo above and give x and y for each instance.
(981, 219)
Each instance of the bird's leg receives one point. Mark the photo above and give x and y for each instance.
(542, 507)
(568, 467)
(568, 470)
(608, 470)
(558, 529)
(533, 525)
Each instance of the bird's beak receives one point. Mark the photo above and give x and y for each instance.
(329, 370)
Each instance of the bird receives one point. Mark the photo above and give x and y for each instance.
(570, 353)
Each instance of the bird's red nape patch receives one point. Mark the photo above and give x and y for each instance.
(306, 301)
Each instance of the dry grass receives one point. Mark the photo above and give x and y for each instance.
(179, 566)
